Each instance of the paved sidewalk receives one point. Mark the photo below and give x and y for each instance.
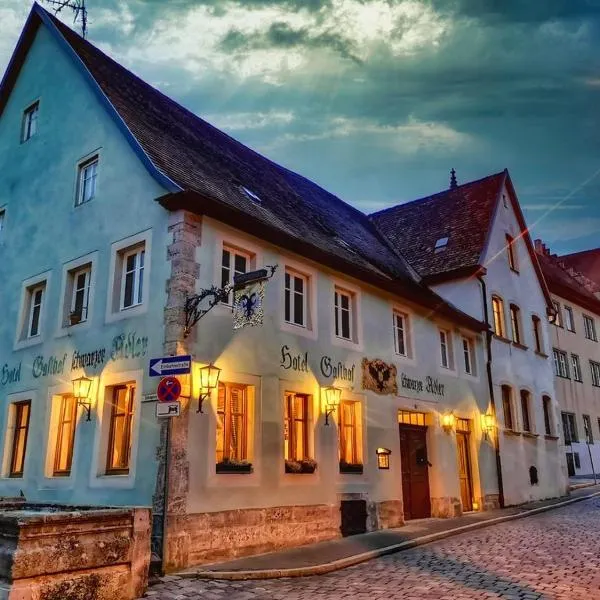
(325, 557)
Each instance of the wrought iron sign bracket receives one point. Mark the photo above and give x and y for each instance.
(216, 295)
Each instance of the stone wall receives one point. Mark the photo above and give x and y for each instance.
(207, 537)
(390, 514)
(49, 553)
(446, 508)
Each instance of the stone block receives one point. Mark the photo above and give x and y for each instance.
(446, 507)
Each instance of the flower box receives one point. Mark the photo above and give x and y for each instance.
(74, 318)
(234, 467)
(300, 466)
(350, 467)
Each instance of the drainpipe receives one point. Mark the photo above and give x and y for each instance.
(488, 335)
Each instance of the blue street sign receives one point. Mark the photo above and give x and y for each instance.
(170, 365)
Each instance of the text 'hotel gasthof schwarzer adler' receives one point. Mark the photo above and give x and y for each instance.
(347, 373)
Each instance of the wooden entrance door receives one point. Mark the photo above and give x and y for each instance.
(415, 472)
(464, 470)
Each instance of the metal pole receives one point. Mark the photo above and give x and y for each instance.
(591, 459)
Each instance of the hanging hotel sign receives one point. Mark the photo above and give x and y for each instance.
(379, 376)
(248, 305)
(431, 385)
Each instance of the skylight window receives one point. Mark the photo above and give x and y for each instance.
(344, 244)
(251, 195)
(441, 244)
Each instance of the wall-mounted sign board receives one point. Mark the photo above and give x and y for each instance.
(170, 365)
(164, 410)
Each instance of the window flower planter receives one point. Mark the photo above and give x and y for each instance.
(300, 466)
(350, 467)
(74, 318)
(234, 467)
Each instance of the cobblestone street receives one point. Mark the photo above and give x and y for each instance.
(554, 556)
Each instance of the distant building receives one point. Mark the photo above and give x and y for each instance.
(576, 355)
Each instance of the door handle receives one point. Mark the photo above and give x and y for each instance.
(429, 464)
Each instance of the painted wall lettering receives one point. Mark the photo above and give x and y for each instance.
(433, 386)
(299, 362)
(337, 371)
(10, 375)
(128, 345)
(52, 366)
(88, 359)
(430, 385)
(416, 385)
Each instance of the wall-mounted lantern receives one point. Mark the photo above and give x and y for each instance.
(383, 458)
(209, 380)
(81, 393)
(487, 424)
(333, 396)
(448, 421)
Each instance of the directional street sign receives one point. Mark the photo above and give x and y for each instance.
(170, 365)
(169, 389)
(168, 409)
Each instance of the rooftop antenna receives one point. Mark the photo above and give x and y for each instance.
(77, 6)
(453, 182)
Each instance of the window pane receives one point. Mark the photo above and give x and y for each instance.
(128, 298)
(240, 264)
(19, 444)
(345, 323)
(120, 430)
(299, 309)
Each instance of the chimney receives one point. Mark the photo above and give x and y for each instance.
(540, 248)
(453, 184)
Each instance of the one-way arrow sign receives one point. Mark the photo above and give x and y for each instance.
(170, 365)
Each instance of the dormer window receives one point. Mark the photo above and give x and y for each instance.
(441, 244)
(30, 119)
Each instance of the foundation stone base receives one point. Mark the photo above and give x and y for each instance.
(446, 508)
(490, 502)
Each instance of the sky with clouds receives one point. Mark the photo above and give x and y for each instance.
(376, 100)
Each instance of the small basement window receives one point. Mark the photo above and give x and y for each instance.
(441, 244)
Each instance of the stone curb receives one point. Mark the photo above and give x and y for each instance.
(366, 556)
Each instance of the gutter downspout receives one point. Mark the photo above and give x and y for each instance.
(488, 335)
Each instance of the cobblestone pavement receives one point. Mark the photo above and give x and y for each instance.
(553, 556)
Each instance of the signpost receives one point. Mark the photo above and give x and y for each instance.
(170, 365)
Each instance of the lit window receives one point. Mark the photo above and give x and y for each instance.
(65, 436)
(80, 280)
(441, 244)
(498, 311)
(401, 333)
(569, 320)
(515, 323)
(132, 279)
(537, 334)
(558, 318)
(587, 428)
(232, 423)
(547, 405)
(343, 308)
(88, 174)
(576, 367)
(595, 369)
(30, 122)
(296, 288)
(233, 262)
(22, 411)
(569, 428)
(349, 424)
(561, 366)
(445, 350)
(469, 355)
(507, 407)
(36, 299)
(406, 417)
(525, 410)
(296, 427)
(511, 253)
(120, 434)
(589, 326)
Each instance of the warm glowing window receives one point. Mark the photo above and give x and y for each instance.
(22, 412)
(498, 311)
(65, 436)
(511, 253)
(507, 407)
(406, 417)
(232, 423)
(349, 424)
(296, 426)
(515, 323)
(121, 425)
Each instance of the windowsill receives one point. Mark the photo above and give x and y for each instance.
(511, 432)
(563, 376)
(529, 434)
(516, 271)
(28, 342)
(551, 437)
(501, 338)
(520, 346)
(541, 354)
(345, 343)
(300, 330)
(578, 380)
(127, 313)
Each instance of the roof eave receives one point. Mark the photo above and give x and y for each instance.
(203, 205)
(459, 273)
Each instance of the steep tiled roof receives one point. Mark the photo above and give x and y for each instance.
(586, 262)
(211, 171)
(462, 214)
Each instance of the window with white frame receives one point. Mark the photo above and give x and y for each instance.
(296, 298)
(35, 302)
(576, 367)
(344, 314)
(587, 429)
(401, 339)
(595, 369)
(515, 323)
(569, 428)
(233, 262)
(561, 366)
(445, 349)
(558, 321)
(469, 355)
(589, 326)
(87, 178)
(79, 281)
(569, 319)
(498, 313)
(132, 277)
(30, 122)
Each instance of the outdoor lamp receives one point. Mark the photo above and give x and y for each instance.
(209, 380)
(383, 458)
(487, 424)
(448, 422)
(81, 393)
(332, 401)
